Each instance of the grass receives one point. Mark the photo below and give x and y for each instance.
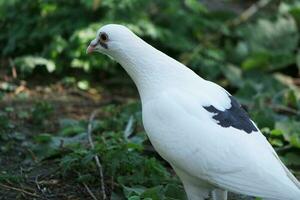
(45, 153)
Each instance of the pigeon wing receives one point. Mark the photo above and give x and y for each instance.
(221, 145)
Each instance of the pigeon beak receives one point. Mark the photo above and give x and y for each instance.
(90, 49)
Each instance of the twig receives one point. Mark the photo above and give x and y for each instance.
(37, 183)
(284, 148)
(32, 155)
(248, 13)
(19, 190)
(90, 192)
(284, 109)
(13, 68)
(89, 133)
(129, 127)
(96, 4)
(42, 190)
(279, 109)
(112, 183)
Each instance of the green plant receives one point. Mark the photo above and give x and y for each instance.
(257, 60)
(41, 112)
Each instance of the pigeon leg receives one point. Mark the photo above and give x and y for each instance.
(218, 194)
(195, 189)
(196, 193)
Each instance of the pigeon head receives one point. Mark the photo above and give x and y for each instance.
(111, 39)
(139, 59)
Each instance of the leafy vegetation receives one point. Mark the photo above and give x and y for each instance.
(45, 73)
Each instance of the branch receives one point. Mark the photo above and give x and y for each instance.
(19, 190)
(248, 13)
(13, 68)
(129, 127)
(90, 192)
(97, 160)
(284, 109)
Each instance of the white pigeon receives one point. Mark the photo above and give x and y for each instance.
(197, 126)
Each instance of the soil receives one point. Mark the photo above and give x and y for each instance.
(28, 178)
(22, 176)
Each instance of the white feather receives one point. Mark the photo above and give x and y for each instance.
(186, 135)
(226, 157)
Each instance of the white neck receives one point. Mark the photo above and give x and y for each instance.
(150, 69)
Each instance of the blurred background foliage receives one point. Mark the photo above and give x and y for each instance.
(249, 47)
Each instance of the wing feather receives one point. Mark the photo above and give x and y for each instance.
(226, 156)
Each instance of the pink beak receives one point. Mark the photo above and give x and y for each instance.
(90, 49)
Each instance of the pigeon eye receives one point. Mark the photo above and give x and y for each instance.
(103, 37)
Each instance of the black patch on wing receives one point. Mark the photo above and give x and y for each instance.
(235, 116)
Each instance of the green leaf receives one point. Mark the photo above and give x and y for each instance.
(84, 85)
(246, 92)
(115, 196)
(155, 193)
(292, 159)
(268, 61)
(195, 5)
(291, 130)
(295, 12)
(264, 117)
(262, 35)
(233, 74)
(256, 61)
(72, 130)
(85, 178)
(298, 60)
(134, 198)
(43, 138)
(295, 140)
(133, 191)
(281, 60)
(290, 99)
(27, 64)
(276, 132)
(276, 142)
(173, 191)
(4, 122)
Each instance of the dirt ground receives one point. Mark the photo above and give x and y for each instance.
(22, 176)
